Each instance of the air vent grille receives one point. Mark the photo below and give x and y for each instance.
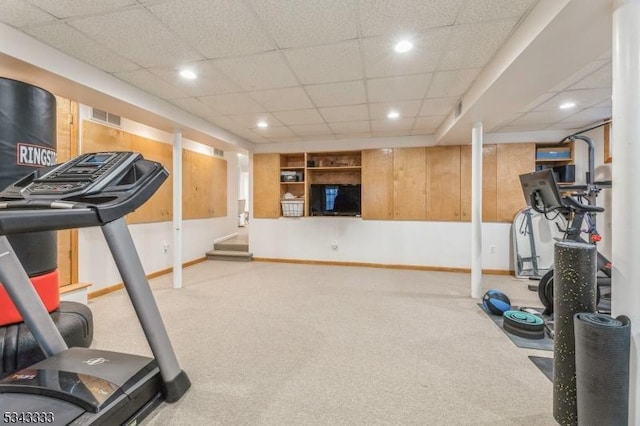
(218, 152)
(458, 109)
(106, 117)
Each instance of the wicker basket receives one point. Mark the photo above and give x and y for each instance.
(292, 208)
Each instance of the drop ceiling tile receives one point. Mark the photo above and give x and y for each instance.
(582, 98)
(345, 113)
(299, 117)
(379, 111)
(489, 10)
(151, 83)
(398, 88)
(337, 94)
(293, 23)
(231, 125)
(350, 127)
(569, 125)
(386, 125)
(210, 81)
(311, 130)
(326, 64)
(196, 107)
(288, 139)
(599, 78)
(318, 138)
(378, 17)
(540, 118)
(387, 133)
(19, 13)
(251, 120)
(520, 128)
(282, 99)
(606, 103)
(537, 102)
(353, 135)
(274, 132)
(234, 128)
(438, 106)
(232, 103)
(68, 8)
(451, 83)
(256, 72)
(472, 45)
(591, 115)
(215, 28)
(138, 36)
(69, 40)
(428, 123)
(580, 74)
(380, 60)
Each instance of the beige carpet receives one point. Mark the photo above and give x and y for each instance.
(287, 344)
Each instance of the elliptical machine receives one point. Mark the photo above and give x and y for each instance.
(543, 195)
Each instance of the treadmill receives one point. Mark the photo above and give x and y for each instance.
(81, 386)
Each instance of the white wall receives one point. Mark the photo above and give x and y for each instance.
(95, 264)
(411, 243)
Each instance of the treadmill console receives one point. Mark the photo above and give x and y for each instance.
(86, 174)
(97, 187)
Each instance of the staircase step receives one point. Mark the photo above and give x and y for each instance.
(230, 246)
(238, 256)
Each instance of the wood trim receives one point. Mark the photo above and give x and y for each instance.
(381, 265)
(105, 290)
(120, 286)
(73, 287)
(608, 157)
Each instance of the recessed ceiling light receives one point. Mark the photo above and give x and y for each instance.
(188, 74)
(393, 115)
(567, 105)
(263, 124)
(403, 46)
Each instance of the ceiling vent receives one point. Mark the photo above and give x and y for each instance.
(105, 117)
(458, 109)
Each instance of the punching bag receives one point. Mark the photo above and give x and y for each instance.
(28, 144)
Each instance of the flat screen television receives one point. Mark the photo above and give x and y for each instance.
(334, 200)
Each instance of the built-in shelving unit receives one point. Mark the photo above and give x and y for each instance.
(299, 170)
(559, 157)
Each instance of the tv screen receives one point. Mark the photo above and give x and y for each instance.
(334, 200)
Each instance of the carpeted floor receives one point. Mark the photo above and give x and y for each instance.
(290, 344)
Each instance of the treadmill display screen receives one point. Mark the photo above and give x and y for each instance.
(98, 159)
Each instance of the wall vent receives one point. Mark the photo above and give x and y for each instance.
(105, 117)
(218, 153)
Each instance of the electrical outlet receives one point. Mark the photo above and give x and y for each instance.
(334, 245)
(165, 247)
(492, 249)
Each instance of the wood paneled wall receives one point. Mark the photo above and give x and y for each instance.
(377, 176)
(66, 148)
(204, 186)
(409, 184)
(204, 177)
(443, 183)
(512, 160)
(266, 185)
(434, 183)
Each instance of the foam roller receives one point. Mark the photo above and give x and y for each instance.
(602, 368)
(574, 290)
